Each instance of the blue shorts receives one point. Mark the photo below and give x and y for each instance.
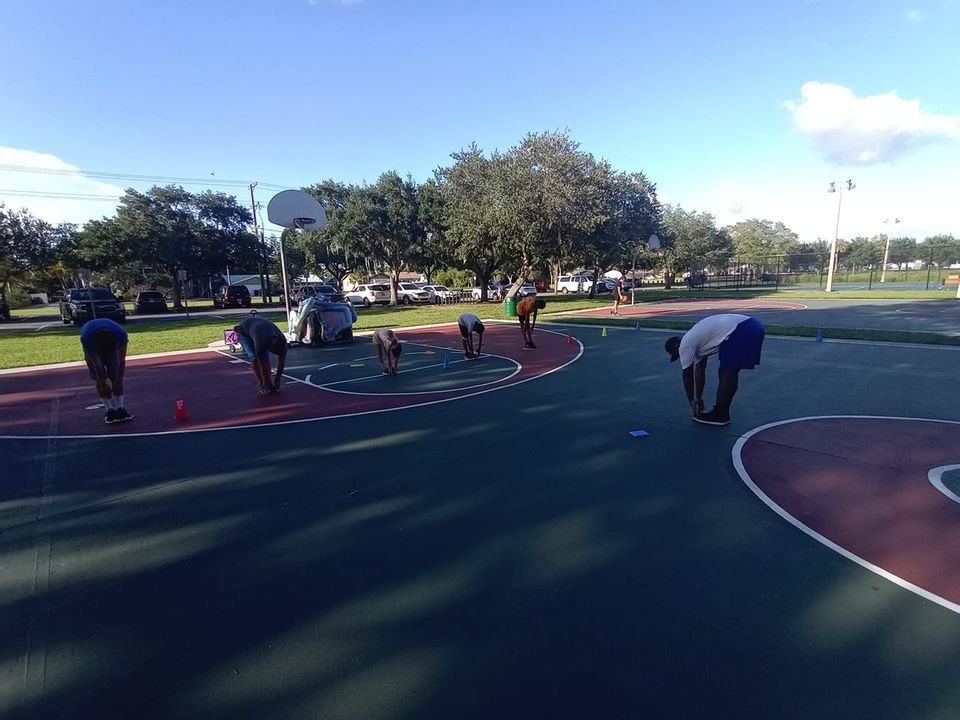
(247, 345)
(741, 351)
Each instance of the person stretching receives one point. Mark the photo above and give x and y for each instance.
(469, 324)
(737, 339)
(104, 345)
(388, 350)
(527, 310)
(259, 337)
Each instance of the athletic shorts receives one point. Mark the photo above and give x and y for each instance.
(247, 345)
(741, 351)
(111, 364)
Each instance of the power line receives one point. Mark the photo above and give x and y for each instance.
(59, 196)
(135, 177)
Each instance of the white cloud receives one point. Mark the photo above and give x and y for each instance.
(914, 16)
(851, 130)
(65, 195)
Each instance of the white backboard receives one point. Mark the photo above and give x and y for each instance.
(287, 206)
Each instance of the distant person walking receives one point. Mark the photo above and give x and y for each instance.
(389, 350)
(527, 310)
(470, 324)
(104, 345)
(618, 297)
(737, 340)
(259, 338)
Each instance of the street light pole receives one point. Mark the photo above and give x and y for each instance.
(886, 252)
(836, 232)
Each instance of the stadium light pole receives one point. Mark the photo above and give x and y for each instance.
(886, 252)
(836, 232)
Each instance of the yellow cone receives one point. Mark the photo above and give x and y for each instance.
(604, 333)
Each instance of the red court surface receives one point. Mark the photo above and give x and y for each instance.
(695, 307)
(865, 487)
(221, 394)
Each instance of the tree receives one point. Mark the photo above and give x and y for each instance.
(330, 250)
(864, 252)
(26, 245)
(434, 252)
(691, 241)
(469, 213)
(384, 221)
(543, 194)
(903, 250)
(628, 210)
(940, 250)
(762, 242)
(172, 230)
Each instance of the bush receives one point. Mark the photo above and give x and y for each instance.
(17, 298)
(453, 278)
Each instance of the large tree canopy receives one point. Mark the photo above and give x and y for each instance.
(26, 246)
(691, 241)
(172, 229)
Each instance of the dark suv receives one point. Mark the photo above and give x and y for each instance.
(149, 301)
(230, 296)
(82, 304)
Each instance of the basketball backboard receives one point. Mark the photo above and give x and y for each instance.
(296, 209)
(653, 244)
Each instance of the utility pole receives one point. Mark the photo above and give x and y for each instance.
(836, 233)
(263, 252)
(886, 252)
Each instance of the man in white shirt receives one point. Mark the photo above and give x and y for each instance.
(469, 324)
(737, 340)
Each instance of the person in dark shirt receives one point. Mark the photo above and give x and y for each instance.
(104, 345)
(259, 338)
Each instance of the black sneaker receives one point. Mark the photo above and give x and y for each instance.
(111, 417)
(714, 417)
(122, 415)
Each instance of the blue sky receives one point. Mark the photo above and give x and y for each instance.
(743, 109)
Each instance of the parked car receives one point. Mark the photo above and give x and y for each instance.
(230, 296)
(367, 295)
(542, 286)
(525, 291)
(408, 293)
(494, 292)
(82, 304)
(4, 307)
(324, 292)
(149, 301)
(574, 283)
(441, 294)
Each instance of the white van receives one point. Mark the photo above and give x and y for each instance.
(574, 283)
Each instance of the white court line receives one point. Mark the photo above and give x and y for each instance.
(314, 419)
(745, 476)
(516, 370)
(935, 476)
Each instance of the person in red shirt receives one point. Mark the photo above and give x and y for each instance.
(527, 310)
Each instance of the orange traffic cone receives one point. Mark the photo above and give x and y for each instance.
(181, 411)
(569, 339)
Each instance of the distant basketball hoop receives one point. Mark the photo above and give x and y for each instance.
(294, 210)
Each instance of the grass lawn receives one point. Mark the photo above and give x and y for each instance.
(61, 343)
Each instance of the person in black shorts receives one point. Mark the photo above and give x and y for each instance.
(527, 310)
(104, 345)
(259, 337)
(469, 324)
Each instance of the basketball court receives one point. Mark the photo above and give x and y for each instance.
(481, 539)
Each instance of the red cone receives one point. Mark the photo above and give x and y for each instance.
(181, 412)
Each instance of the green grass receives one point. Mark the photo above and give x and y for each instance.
(892, 336)
(61, 343)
